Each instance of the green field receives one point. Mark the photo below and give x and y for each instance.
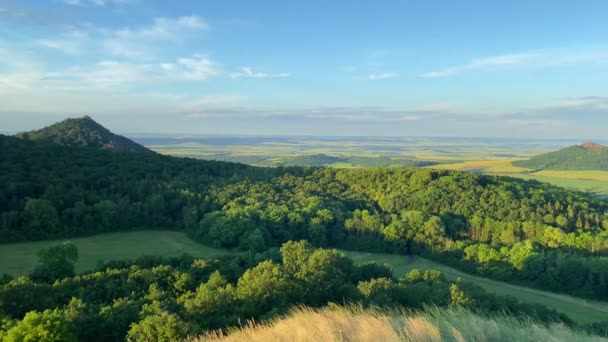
(269, 151)
(20, 258)
(586, 180)
(578, 309)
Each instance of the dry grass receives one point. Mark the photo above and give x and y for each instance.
(435, 325)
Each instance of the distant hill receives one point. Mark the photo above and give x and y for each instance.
(84, 132)
(588, 156)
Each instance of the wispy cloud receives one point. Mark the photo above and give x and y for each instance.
(248, 72)
(532, 59)
(139, 42)
(135, 42)
(98, 2)
(484, 63)
(196, 68)
(381, 76)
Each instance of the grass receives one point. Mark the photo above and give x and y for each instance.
(595, 186)
(486, 166)
(20, 258)
(578, 309)
(356, 324)
(587, 180)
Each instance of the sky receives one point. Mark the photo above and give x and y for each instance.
(523, 69)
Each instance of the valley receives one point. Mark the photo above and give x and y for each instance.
(484, 156)
(78, 202)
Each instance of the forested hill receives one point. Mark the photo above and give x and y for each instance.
(86, 132)
(588, 156)
(514, 230)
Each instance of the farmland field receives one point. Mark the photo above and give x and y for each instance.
(20, 258)
(484, 166)
(273, 151)
(486, 156)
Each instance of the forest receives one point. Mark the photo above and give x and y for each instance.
(588, 156)
(156, 299)
(524, 232)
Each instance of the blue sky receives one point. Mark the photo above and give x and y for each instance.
(396, 68)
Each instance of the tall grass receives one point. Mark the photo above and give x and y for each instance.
(356, 324)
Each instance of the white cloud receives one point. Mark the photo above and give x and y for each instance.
(98, 2)
(139, 42)
(411, 118)
(247, 72)
(162, 28)
(197, 68)
(485, 63)
(536, 59)
(381, 76)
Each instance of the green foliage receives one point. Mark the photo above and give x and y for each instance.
(588, 156)
(41, 215)
(521, 231)
(168, 299)
(158, 325)
(83, 132)
(46, 326)
(56, 262)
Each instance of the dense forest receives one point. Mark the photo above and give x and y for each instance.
(513, 230)
(83, 131)
(589, 156)
(156, 299)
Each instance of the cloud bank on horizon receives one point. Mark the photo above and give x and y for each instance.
(412, 68)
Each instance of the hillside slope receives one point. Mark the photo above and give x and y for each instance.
(340, 324)
(588, 156)
(85, 132)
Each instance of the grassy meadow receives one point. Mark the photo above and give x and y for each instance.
(578, 309)
(20, 258)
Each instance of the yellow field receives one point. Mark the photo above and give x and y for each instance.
(485, 166)
(583, 174)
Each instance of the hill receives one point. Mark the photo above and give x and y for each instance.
(84, 132)
(588, 156)
(354, 324)
(518, 231)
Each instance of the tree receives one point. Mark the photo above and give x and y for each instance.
(46, 326)
(263, 288)
(457, 297)
(158, 325)
(56, 262)
(41, 218)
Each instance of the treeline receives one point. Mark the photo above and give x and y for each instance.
(156, 299)
(514, 230)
